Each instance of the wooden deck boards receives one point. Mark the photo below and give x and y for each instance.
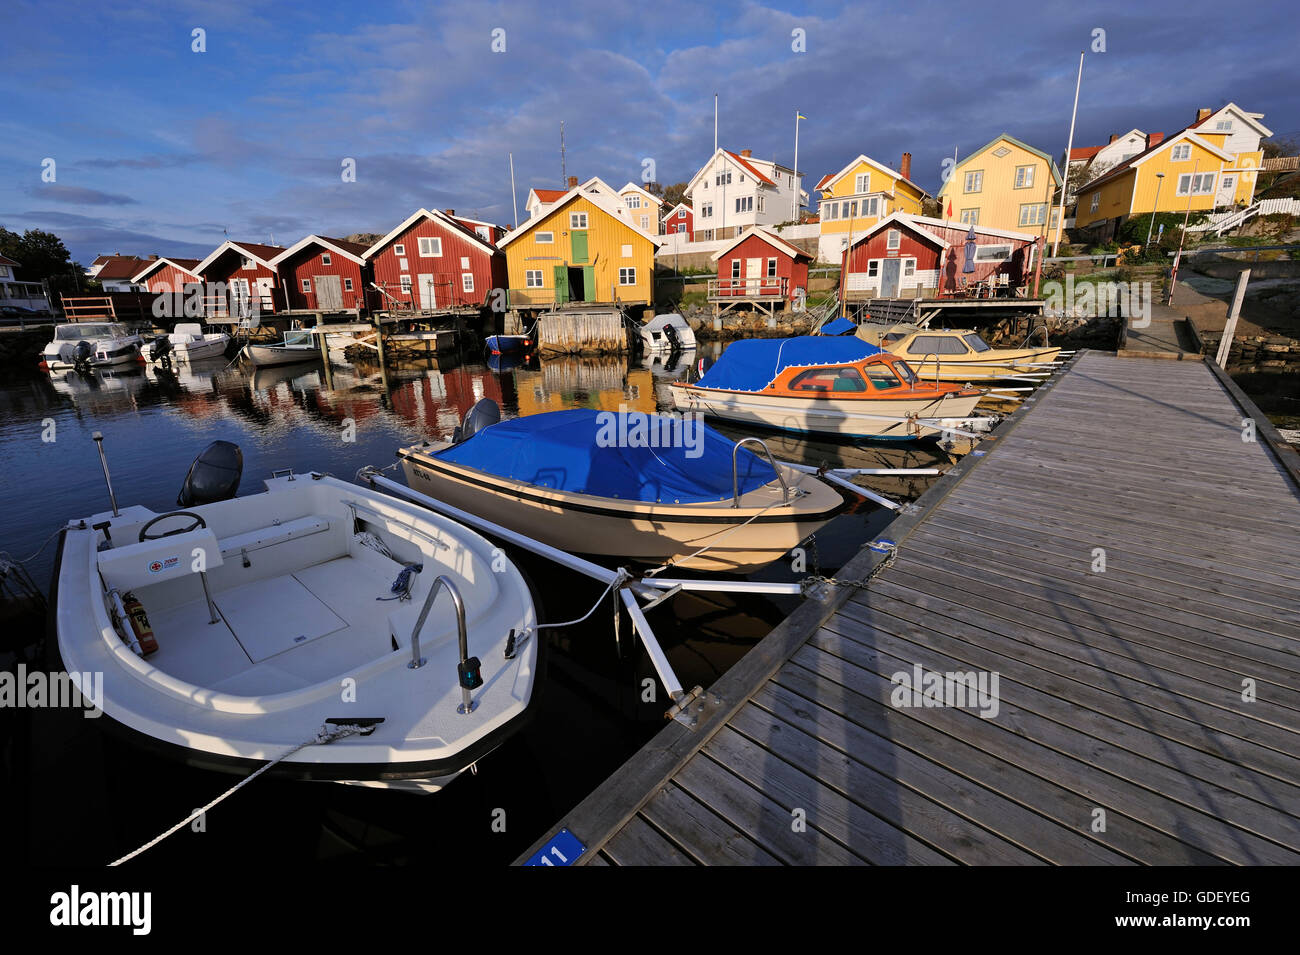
(1119, 694)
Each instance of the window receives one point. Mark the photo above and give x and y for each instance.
(533, 278)
(627, 276)
(430, 247)
(1034, 213)
(545, 238)
(745, 204)
(1181, 152)
(347, 285)
(634, 202)
(909, 268)
(871, 207)
(862, 182)
(324, 258)
(577, 220)
(771, 268)
(742, 177)
(405, 283)
(247, 263)
(1002, 152)
(399, 249)
(1198, 185)
(681, 230)
(882, 377)
(970, 217)
(467, 281)
(722, 178)
(760, 203)
(627, 251)
(829, 379)
(681, 214)
(936, 345)
(894, 239)
(974, 181)
(735, 269)
(976, 343)
(464, 261)
(1223, 125)
(645, 222)
(831, 211)
(992, 253)
(873, 268)
(306, 285)
(482, 230)
(1024, 177)
(706, 210)
(1096, 201)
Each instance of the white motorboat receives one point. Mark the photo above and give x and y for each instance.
(190, 343)
(316, 606)
(91, 345)
(297, 345)
(667, 332)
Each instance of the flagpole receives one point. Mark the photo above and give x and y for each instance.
(514, 197)
(715, 124)
(1069, 147)
(794, 198)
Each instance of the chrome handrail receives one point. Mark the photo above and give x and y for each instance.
(920, 372)
(735, 477)
(462, 637)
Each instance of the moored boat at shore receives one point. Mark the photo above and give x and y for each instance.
(949, 354)
(91, 345)
(296, 346)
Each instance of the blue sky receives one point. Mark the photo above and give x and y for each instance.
(159, 148)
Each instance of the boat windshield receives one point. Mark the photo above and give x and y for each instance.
(829, 379)
(975, 342)
(75, 333)
(302, 337)
(905, 370)
(882, 376)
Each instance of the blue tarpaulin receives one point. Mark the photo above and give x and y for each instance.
(631, 456)
(752, 364)
(839, 326)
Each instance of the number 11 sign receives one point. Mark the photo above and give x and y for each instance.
(562, 849)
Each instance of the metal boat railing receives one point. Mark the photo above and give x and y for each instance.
(735, 477)
(417, 661)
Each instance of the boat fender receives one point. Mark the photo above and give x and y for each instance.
(138, 621)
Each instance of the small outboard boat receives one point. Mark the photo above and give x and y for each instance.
(667, 333)
(91, 345)
(191, 343)
(296, 346)
(641, 487)
(509, 344)
(160, 350)
(401, 645)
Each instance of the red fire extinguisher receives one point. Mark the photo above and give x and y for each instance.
(139, 622)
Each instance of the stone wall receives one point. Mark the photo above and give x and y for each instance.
(23, 347)
(1250, 353)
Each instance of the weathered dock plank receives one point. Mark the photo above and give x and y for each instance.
(1146, 712)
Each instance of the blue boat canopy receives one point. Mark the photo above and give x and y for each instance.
(752, 364)
(630, 456)
(839, 326)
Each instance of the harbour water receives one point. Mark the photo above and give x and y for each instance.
(593, 711)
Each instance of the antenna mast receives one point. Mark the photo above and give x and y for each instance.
(564, 172)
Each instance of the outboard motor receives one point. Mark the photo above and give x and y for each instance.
(214, 475)
(78, 355)
(484, 413)
(160, 349)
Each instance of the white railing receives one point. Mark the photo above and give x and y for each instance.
(770, 287)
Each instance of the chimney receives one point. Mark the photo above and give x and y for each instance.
(1113, 137)
(747, 153)
(905, 166)
(450, 212)
(1202, 114)
(573, 181)
(153, 257)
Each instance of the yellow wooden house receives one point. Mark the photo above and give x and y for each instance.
(584, 247)
(1006, 184)
(862, 193)
(1210, 165)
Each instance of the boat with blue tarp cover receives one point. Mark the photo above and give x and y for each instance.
(648, 488)
(824, 384)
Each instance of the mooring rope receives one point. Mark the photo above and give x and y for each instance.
(321, 738)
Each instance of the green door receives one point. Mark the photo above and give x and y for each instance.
(589, 283)
(579, 242)
(561, 284)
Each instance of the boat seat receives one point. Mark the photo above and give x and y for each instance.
(847, 384)
(273, 534)
(157, 561)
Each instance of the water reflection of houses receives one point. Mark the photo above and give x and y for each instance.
(435, 402)
(600, 383)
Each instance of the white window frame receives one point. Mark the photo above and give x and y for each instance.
(544, 238)
(1181, 152)
(1024, 177)
(467, 281)
(993, 253)
(633, 202)
(324, 258)
(306, 286)
(645, 222)
(862, 182)
(832, 211)
(399, 248)
(1033, 213)
(464, 261)
(893, 239)
(771, 268)
(577, 220)
(969, 217)
(404, 283)
(973, 182)
(530, 275)
(735, 269)
(434, 243)
(627, 275)
(1200, 184)
(347, 285)
(909, 268)
(706, 210)
(873, 268)
(744, 204)
(247, 264)
(1223, 125)
(1096, 202)
(871, 207)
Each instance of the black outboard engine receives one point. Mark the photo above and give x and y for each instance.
(214, 475)
(160, 349)
(83, 353)
(485, 412)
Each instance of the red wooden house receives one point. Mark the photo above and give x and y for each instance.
(431, 261)
(238, 275)
(163, 275)
(680, 219)
(320, 273)
(759, 268)
(904, 256)
(488, 231)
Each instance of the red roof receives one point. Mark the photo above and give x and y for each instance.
(356, 248)
(1084, 152)
(265, 252)
(550, 195)
(4, 260)
(756, 174)
(823, 180)
(120, 267)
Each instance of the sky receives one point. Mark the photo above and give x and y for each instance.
(157, 147)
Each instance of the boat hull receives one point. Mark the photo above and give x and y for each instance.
(739, 540)
(847, 417)
(261, 355)
(197, 351)
(1006, 363)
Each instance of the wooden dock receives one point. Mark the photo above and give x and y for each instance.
(1148, 710)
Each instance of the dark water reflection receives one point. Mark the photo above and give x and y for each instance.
(591, 716)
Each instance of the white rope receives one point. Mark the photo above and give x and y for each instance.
(622, 578)
(324, 736)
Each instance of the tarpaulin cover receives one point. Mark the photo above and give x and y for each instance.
(613, 454)
(839, 326)
(752, 364)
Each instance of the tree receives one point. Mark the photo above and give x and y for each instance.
(673, 194)
(40, 254)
